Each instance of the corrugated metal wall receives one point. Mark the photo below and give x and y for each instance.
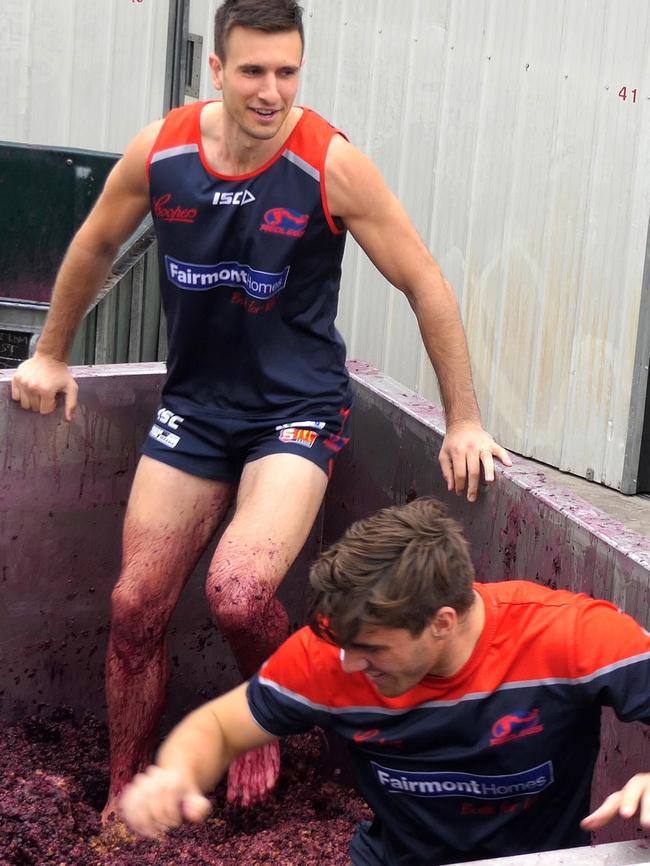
(81, 73)
(499, 125)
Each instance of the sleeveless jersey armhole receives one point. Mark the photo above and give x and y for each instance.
(310, 140)
(177, 119)
(336, 227)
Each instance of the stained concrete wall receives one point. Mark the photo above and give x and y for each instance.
(63, 490)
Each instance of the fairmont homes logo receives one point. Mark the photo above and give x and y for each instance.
(260, 285)
(450, 784)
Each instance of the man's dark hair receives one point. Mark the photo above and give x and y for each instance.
(270, 16)
(395, 569)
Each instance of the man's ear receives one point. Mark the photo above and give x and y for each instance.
(216, 68)
(444, 622)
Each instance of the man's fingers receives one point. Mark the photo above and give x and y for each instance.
(447, 468)
(38, 380)
(70, 400)
(604, 813)
(488, 464)
(473, 475)
(196, 808)
(635, 796)
(632, 798)
(460, 472)
(502, 455)
(48, 404)
(159, 800)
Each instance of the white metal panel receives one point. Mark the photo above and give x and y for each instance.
(81, 73)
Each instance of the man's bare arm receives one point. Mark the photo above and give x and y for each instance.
(190, 763)
(359, 196)
(117, 212)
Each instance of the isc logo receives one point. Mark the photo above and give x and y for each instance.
(164, 416)
(242, 196)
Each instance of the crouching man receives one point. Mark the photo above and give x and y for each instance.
(460, 701)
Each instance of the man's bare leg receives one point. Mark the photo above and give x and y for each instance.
(279, 497)
(170, 518)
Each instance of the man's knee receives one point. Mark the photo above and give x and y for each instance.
(238, 597)
(138, 619)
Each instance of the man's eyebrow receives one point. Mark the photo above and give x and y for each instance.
(358, 645)
(285, 66)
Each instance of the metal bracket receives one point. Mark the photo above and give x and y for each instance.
(193, 55)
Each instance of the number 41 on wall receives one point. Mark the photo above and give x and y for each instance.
(623, 94)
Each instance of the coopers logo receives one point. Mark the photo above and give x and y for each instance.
(514, 726)
(199, 278)
(465, 784)
(284, 221)
(173, 213)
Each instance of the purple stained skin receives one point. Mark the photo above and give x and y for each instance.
(54, 778)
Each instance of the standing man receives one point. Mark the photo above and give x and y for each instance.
(471, 711)
(251, 198)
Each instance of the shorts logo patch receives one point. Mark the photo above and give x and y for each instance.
(171, 440)
(285, 221)
(164, 416)
(449, 784)
(200, 278)
(299, 436)
(514, 726)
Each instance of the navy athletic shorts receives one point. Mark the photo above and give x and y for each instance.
(217, 447)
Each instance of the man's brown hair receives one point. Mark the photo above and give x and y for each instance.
(395, 569)
(269, 16)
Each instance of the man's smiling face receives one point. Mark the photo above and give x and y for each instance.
(392, 658)
(258, 79)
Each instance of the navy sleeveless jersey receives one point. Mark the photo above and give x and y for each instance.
(250, 272)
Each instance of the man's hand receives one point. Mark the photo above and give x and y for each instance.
(158, 800)
(38, 380)
(465, 448)
(632, 798)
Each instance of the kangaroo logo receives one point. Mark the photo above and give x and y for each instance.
(284, 221)
(515, 725)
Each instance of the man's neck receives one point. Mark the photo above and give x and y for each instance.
(230, 151)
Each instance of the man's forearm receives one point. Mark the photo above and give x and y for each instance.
(197, 749)
(444, 339)
(81, 276)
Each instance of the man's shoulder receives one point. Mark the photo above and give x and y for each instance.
(521, 606)
(314, 133)
(304, 651)
(529, 592)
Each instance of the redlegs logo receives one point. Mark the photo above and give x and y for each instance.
(284, 221)
(515, 725)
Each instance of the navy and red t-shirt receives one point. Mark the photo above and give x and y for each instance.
(494, 761)
(250, 270)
